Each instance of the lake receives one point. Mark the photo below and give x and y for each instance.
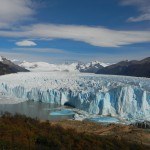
(46, 111)
(38, 110)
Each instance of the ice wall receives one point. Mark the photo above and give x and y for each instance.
(126, 101)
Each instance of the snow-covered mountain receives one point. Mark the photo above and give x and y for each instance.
(46, 67)
(91, 67)
(119, 96)
(97, 62)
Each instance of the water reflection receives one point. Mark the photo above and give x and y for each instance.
(34, 110)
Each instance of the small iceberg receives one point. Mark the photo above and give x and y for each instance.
(63, 112)
(103, 119)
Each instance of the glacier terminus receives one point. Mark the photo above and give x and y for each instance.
(107, 95)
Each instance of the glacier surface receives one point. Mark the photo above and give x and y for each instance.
(118, 96)
(67, 67)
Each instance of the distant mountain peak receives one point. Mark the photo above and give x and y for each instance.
(91, 67)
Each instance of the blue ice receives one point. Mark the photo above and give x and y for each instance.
(63, 112)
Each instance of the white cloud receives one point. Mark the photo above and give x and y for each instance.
(26, 43)
(140, 18)
(73, 57)
(14, 11)
(96, 36)
(23, 56)
(143, 7)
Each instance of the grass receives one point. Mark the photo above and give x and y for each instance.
(20, 132)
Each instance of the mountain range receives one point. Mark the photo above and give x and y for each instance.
(91, 67)
(128, 68)
(137, 68)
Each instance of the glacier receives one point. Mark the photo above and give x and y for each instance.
(107, 95)
(68, 67)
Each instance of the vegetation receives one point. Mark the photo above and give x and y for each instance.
(21, 132)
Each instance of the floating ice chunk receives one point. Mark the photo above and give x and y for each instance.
(63, 112)
(104, 119)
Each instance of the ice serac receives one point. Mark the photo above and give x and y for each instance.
(124, 97)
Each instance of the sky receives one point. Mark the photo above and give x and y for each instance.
(75, 30)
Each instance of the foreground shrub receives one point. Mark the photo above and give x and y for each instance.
(21, 132)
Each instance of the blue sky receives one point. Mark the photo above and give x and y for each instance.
(75, 30)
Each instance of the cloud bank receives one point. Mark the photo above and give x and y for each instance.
(12, 11)
(96, 36)
(143, 7)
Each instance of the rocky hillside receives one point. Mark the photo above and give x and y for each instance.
(7, 67)
(128, 68)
